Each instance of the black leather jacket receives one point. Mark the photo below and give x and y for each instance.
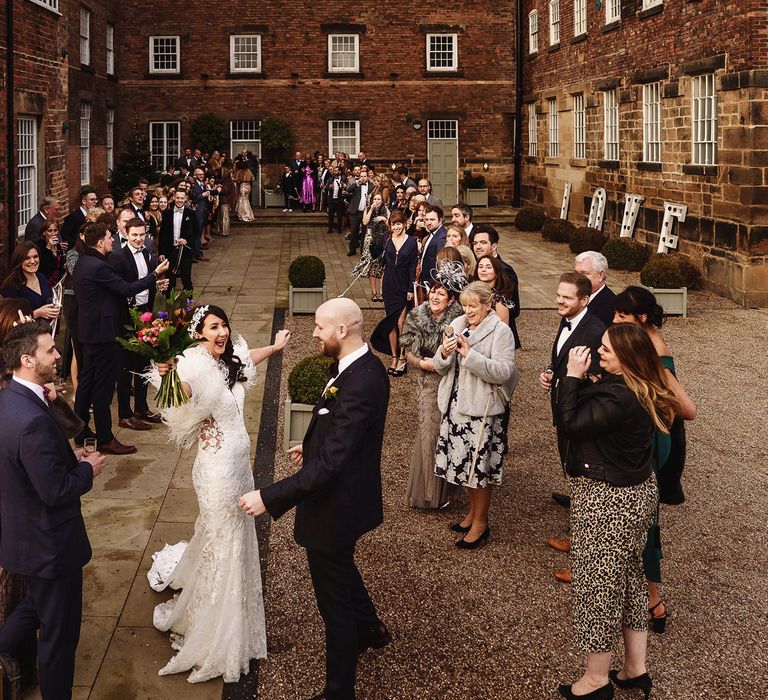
(609, 432)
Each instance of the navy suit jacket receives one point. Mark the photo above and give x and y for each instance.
(429, 258)
(603, 306)
(514, 312)
(337, 491)
(71, 226)
(42, 532)
(100, 292)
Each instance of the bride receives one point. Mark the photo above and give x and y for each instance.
(217, 620)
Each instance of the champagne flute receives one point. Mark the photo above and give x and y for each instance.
(89, 446)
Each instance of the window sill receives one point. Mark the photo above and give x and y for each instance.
(609, 164)
(531, 159)
(245, 75)
(47, 7)
(578, 162)
(343, 74)
(650, 11)
(553, 161)
(578, 39)
(553, 47)
(446, 73)
(112, 77)
(87, 68)
(532, 55)
(163, 76)
(612, 27)
(706, 170)
(648, 166)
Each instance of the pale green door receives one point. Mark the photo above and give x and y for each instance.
(443, 156)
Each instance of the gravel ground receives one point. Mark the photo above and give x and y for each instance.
(493, 623)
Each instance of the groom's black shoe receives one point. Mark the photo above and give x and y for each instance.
(374, 637)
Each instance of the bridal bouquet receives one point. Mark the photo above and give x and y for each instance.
(160, 335)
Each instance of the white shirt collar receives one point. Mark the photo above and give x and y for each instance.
(578, 318)
(32, 387)
(594, 294)
(135, 251)
(85, 212)
(347, 360)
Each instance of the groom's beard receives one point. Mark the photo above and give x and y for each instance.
(331, 348)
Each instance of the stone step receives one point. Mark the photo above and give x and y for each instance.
(275, 217)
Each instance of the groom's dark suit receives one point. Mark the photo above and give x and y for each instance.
(42, 535)
(338, 497)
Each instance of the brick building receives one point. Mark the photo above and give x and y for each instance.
(664, 99)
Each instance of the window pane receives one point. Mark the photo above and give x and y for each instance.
(343, 52)
(442, 54)
(245, 53)
(554, 130)
(27, 169)
(532, 132)
(579, 127)
(165, 53)
(344, 137)
(85, 143)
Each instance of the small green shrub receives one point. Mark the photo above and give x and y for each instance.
(626, 254)
(585, 238)
(307, 271)
(557, 230)
(308, 379)
(530, 219)
(669, 271)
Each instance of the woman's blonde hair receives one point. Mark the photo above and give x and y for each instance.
(478, 292)
(464, 238)
(470, 264)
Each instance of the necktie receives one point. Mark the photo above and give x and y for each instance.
(46, 395)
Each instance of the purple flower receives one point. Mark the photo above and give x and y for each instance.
(163, 315)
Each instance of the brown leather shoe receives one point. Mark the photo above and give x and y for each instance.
(134, 423)
(564, 576)
(148, 417)
(202, 258)
(563, 545)
(115, 447)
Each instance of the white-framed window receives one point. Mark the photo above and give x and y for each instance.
(704, 115)
(612, 11)
(27, 160)
(533, 31)
(553, 150)
(651, 3)
(652, 123)
(442, 129)
(110, 140)
(344, 136)
(110, 41)
(343, 53)
(554, 22)
(85, 36)
(533, 144)
(49, 4)
(164, 54)
(579, 128)
(579, 17)
(85, 143)
(164, 143)
(611, 120)
(442, 52)
(245, 53)
(244, 130)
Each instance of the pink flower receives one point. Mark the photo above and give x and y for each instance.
(146, 317)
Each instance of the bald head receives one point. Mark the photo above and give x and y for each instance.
(343, 312)
(339, 327)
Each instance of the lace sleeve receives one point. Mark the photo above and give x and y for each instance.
(244, 353)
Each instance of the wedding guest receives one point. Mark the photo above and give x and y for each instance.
(358, 189)
(76, 218)
(108, 203)
(477, 366)
(244, 179)
(162, 202)
(425, 189)
(289, 188)
(432, 244)
(334, 197)
(200, 197)
(228, 200)
(137, 196)
(176, 230)
(51, 253)
(415, 216)
(152, 215)
(468, 258)
(50, 209)
(307, 189)
(25, 281)
(455, 236)
(99, 290)
(400, 259)
(490, 271)
(421, 337)
(594, 266)
(72, 356)
(375, 218)
(399, 201)
(461, 215)
(609, 427)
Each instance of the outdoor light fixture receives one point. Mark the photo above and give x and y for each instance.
(485, 166)
(416, 125)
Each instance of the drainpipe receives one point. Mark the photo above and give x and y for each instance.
(519, 64)
(10, 200)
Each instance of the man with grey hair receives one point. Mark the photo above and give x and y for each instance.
(50, 208)
(602, 301)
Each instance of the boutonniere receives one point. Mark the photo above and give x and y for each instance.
(330, 392)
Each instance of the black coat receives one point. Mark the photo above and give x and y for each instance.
(609, 432)
(337, 491)
(603, 306)
(42, 532)
(514, 312)
(70, 228)
(123, 263)
(165, 243)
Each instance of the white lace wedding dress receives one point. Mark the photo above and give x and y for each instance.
(217, 620)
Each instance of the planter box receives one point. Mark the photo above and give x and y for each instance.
(673, 301)
(273, 198)
(305, 300)
(476, 198)
(297, 418)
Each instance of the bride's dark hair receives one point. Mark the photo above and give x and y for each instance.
(228, 358)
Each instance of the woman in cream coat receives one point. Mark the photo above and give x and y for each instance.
(477, 365)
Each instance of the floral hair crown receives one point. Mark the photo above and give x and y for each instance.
(198, 316)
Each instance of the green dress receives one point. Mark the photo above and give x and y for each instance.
(662, 446)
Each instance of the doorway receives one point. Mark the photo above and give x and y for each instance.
(443, 157)
(244, 133)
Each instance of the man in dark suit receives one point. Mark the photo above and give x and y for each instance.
(100, 292)
(461, 215)
(176, 231)
(75, 219)
(358, 190)
(136, 197)
(406, 181)
(425, 189)
(42, 534)
(485, 241)
(334, 190)
(201, 203)
(187, 161)
(337, 492)
(433, 243)
(50, 208)
(602, 301)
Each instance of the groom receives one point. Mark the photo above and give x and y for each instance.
(337, 492)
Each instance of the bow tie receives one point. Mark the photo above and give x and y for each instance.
(565, 323)
(334, 369)
(123, 240)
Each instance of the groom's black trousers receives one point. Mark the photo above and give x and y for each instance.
(346, 609)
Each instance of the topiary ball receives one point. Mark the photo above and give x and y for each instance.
(626, 254)
(307, 271)
(308, 379)
(530, 219)
(585, 238)
(691, 273)
(557, 230)
(663, 271)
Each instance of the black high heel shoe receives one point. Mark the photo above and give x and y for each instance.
(458, 527)
(479, 542)
(657, 623)
(603, 693)
(643, 682)
(402, 368)
(391, 370)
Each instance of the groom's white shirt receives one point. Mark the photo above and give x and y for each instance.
(346, 361)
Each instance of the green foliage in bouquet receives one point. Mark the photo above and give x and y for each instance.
(585, 238)
(307, 271)
(626, 254)
(308, 379)
(530, 219)
(160, 335)
(557, 230)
